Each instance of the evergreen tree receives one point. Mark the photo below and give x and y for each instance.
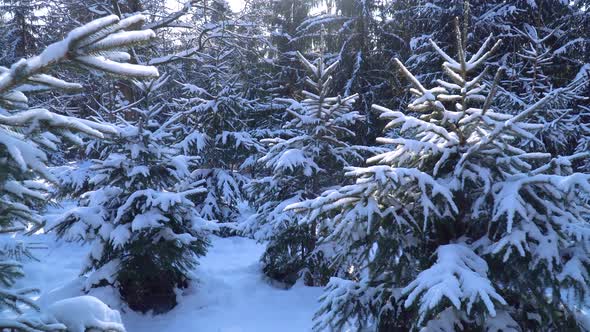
(357, 35)
(300, 167)
(457, 228)
(145, 231)
(269, 69)
(218, 111)
(281, 19)
(26, 134)
(216, 131)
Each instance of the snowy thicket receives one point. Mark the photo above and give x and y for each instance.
(145, 230)
(469, 216)
(457, 227)
(26, 134)
(300, 167)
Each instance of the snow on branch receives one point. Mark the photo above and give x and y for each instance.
(81, 46)
(53, 120)
(475, 61)
(408, 180)
(409, 122)
(510, 124)
(458, 275)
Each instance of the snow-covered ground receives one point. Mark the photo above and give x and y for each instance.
(231, 294)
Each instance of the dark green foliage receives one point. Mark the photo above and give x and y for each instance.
(150, 272)
(293, 255)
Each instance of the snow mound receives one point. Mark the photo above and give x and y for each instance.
(86, 313)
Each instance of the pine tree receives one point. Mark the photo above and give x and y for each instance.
(299, 167)
(26, 134)
(145, 230)
(457, 228)
(269, 68)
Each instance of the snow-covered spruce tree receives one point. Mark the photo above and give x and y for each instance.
(26, 134)
(301, 167)
(364, 47)
(216, 130)
(146, 234)
(456, 228)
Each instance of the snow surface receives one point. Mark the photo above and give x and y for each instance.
(231, 294)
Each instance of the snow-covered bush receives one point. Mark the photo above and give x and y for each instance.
(146, 233)
(457, 227)
(26, 134)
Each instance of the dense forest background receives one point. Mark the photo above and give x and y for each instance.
(268, 122)
(255, 48)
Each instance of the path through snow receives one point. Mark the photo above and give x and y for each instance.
(231, 295)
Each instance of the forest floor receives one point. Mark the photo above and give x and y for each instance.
(230, 295)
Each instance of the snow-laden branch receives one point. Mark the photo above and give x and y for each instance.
(459, 275)
(81, 45)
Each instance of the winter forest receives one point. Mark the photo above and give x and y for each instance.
(294, 165)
